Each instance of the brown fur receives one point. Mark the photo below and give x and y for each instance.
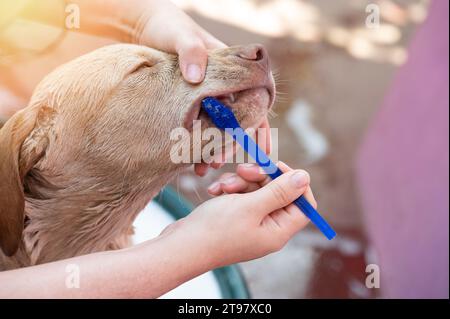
(92, 147)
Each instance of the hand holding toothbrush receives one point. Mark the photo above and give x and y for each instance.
(254, 221)
(248, 178)
(255, 218)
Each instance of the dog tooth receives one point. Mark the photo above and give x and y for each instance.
(232, 97)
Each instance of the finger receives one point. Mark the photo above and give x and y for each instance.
(201, 169)
(281, 165)
(215, 189)
(212, 43)
(251, 173)
(225, 176)
(294, 211)
(217, 165)
(218, 160)
(221, 158)
(309, 195)
(289, 220)
(284, 167)
(230, 183)
(193, 58)
(263, 136)
(236, 184)
(279, 193)
(260, 141)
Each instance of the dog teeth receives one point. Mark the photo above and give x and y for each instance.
(232, 97)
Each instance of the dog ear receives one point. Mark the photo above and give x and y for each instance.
(13, 168)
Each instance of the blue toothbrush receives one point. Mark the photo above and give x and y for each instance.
(224, 119)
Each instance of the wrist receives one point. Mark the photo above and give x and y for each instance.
(207, 243)
(193, 246)
(116, 19)
(178, 256)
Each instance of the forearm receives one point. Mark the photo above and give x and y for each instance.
(144, 271)
(116, 19)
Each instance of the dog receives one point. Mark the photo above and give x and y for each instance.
(92, 147)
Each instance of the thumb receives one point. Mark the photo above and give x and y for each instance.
(280, 192)
(193, 58)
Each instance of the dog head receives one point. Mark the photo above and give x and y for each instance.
(106, 118)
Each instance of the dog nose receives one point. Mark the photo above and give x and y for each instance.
(254, 52)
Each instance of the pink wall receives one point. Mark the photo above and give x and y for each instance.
(403, 169)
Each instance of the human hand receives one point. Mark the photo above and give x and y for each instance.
(162, 25)
(256, 216)
(165, 27)
(168, 28)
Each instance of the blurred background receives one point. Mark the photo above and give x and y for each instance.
(362, 106)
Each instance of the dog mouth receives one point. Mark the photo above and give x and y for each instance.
(248, 104)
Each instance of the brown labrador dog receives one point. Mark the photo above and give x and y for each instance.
(92, 147)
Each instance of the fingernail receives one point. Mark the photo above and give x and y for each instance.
(299, 179)
(214, 187)
(194, 73)
(248, 165)
(229, 180)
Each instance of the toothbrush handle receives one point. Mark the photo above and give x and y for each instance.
(310, 212)
(274, 172)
